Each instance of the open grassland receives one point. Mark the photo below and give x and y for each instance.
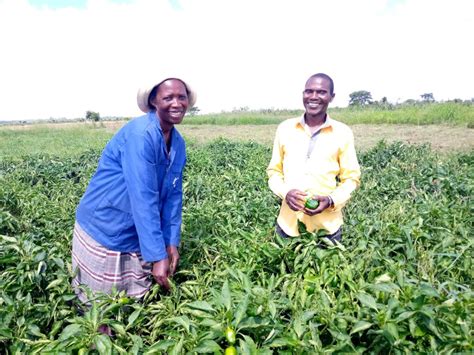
(61, 139)
(444, 126)
(402, 282)
(416, 114)
(69, 138)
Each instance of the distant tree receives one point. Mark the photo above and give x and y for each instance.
(410, 102)
(360, 98)
(383, 103)
(194, 110)
(428, 97)
(241, 109)
(92, 116)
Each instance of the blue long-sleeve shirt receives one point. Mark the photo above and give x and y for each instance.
(134, 200)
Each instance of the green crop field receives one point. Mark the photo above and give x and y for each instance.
(401, 282)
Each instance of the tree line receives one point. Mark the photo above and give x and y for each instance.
(361, 98)
(364, 98)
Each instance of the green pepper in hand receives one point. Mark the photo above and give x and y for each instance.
(311, 204)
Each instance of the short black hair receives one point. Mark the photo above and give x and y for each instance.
(324, 76)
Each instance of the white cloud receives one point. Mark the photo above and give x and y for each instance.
(61, 63)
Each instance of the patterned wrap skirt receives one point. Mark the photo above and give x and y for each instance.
(103, 270)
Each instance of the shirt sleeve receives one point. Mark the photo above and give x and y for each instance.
(139, 168)
(276, 181)
(349, 173)
(172, 212)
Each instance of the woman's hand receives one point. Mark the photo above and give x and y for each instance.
(167, 267)
(173, 256)
(161, 271)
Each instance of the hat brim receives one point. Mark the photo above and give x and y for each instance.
(144, 92)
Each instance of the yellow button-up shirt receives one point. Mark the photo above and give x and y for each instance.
(324, 164)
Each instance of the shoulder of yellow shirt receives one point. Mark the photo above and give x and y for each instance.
(337, 125)
(342, 127)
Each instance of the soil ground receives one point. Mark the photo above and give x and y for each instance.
(440, 137)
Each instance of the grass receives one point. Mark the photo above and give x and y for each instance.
(59, 141)
(417, 123)
(420, 114)
(416, 114)
(261, 117)
(451, 113)
(72, 138)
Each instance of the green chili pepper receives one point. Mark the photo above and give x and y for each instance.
(231, 350)
(230, 335)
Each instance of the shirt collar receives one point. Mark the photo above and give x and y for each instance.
(328, 123)
(153, 116)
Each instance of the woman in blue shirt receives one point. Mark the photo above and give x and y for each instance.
(128, 222)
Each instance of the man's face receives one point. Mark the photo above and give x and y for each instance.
(317, 96)
(171, 102)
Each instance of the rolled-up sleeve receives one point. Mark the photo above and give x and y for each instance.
(140, 173)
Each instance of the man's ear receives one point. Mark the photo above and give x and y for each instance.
(333, 96)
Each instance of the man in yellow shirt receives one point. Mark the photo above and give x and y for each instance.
(313, 156)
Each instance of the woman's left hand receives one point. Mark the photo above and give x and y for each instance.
(161, 271)
(173, 256)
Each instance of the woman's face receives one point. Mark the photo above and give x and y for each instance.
(171, 102)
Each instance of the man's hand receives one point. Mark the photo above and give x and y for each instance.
(173, 256)
(324, 202)
(296, 199)
(161, 271)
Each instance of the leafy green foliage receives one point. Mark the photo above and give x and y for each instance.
(360, 98)
(92, 116)
(193, 111)
(401, 281)
(428, 97)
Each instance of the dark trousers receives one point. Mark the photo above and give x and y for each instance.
(337, 236)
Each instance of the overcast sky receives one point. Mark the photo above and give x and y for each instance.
(61, 58)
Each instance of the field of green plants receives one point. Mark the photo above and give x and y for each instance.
(401, 281)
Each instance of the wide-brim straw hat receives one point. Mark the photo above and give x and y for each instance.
(144, 92)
